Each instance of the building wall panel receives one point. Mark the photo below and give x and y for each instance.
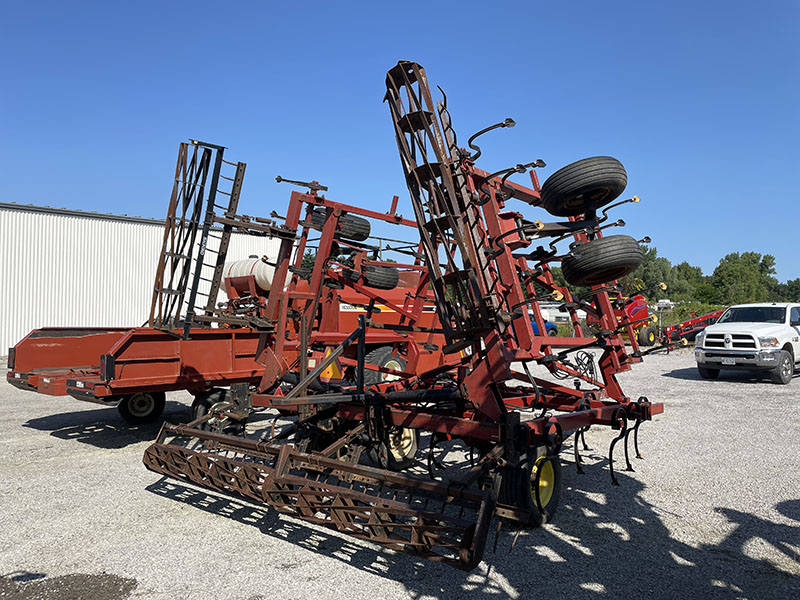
(63, 270)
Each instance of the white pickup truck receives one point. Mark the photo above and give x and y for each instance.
(757, 337)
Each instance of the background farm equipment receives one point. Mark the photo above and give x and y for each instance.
(477, 263)
(193, 342)
(689, 329)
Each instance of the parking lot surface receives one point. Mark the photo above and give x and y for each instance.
(712, 512)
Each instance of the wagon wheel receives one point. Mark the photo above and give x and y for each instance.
(142, 407)
(602, 260)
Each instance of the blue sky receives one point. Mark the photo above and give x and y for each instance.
(699, 100)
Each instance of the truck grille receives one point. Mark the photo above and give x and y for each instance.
(739, 341)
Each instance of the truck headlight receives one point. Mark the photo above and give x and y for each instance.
(768, 342)
(698, 340)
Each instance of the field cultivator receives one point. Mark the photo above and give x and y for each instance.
(459, 362)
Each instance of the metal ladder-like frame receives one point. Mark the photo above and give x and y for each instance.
(178, 272)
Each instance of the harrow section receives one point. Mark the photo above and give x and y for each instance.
(439, 522)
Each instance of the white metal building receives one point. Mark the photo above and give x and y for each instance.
(69, 268)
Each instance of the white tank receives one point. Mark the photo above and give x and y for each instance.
(261, 271)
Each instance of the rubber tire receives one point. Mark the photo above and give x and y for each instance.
(159, 401)
(707, 373)
(381, 278)
(645, 334)
(594, 181)
(202, 405)
(782, 374)
(515, 489)
(552, 332)
(380, 357)
(351, 227)
(602, 260)
(383, 458)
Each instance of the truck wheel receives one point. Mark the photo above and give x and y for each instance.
(707, 373)
(647, 336)
(215, 399)
(381, 278)
(351, 227)
(142, 407)
(602, 260)
(552, 332)
(782, 374)
(534, 487)
(588, 183)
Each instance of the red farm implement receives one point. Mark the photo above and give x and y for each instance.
(193, 343)
(489, 382)
(689, 329)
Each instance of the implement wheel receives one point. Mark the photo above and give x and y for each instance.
(647, 336)
(602, 260)
(586, 184)
(211, 401)
(399, 451)
(381, 278)
(382, 357)
(351, 227)
(142, 407)
(534, 487)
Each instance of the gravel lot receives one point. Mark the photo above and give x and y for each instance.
(713, 512)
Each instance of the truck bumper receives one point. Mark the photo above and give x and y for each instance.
(753, 360)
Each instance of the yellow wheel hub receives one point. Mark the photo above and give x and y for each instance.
(547, 480)
(401, 442)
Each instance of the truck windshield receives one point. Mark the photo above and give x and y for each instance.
(754, 314)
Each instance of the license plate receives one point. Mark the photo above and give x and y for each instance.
(80, 384)
(46, 379)
(17, 376)
(728, 361)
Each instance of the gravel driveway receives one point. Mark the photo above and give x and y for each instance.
(713, 512)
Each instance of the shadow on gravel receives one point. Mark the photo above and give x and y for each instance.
(605, 541)
(34, 586)
(737, 376)
(104, 428)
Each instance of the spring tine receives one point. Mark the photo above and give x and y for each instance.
(628, 466)
(636, 438)
(514, 541)
(583, 438)
(577, 455)
(497, 535)
(611, 456)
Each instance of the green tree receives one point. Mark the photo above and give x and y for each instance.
(789, 291)
(309, 258)
(745, 277)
